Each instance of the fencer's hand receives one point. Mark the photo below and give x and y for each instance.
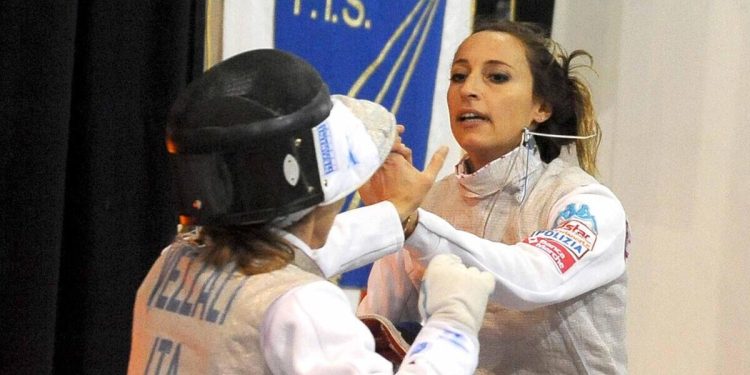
(453, 292)
(400, 182)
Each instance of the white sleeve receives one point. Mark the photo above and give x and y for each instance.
(582, 248)
(312, 330)
(359, 237)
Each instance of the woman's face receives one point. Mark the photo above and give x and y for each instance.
(490, 97)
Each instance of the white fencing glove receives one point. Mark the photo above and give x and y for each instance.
(451, 291)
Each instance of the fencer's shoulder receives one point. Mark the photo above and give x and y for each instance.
(293, 275)
(577, 179)
(563, 181)
(576, 187)
(565, 171)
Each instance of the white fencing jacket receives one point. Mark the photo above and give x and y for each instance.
(557, 252)
(193, 318)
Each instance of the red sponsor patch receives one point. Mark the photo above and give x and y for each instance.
(559, 253)
(583, 237)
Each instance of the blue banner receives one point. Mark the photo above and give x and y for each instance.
(384, 51)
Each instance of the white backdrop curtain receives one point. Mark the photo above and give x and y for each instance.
(672, 95)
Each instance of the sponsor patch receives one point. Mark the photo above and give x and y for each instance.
(581, 213)
(559, 253)
(325, 144)
(574, 236)
(581, 235)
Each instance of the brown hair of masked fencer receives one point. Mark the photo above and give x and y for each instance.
(254, 248)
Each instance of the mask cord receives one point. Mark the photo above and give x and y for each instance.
(527, 131)
(527, 142)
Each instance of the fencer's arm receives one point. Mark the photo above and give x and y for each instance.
(359, 237)
(550, 265)
(363, 235)
(311, 329)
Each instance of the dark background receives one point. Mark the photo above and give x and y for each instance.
(84, 91)
(537, 11)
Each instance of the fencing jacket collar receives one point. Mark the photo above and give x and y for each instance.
(521, 168)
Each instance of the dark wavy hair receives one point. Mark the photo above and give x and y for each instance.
(556, 84)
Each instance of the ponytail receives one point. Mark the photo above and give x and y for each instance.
(586, 149)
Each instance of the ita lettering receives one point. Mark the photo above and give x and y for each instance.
(164, 358)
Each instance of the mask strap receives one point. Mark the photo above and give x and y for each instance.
(526, 130)
(528, 144)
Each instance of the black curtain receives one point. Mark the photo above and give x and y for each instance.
(85, 87)
(536, 11)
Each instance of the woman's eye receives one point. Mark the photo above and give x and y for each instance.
(499, 77)
(458, 77)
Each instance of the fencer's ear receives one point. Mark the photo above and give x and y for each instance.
(542, 113)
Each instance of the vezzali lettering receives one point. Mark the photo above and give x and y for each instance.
(199, 293)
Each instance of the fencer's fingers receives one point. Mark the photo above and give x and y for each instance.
(400, 129)
(436, 162)
(399, 132)
(407, 154)
(402, 150)
(396, 144)
(392, 158)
